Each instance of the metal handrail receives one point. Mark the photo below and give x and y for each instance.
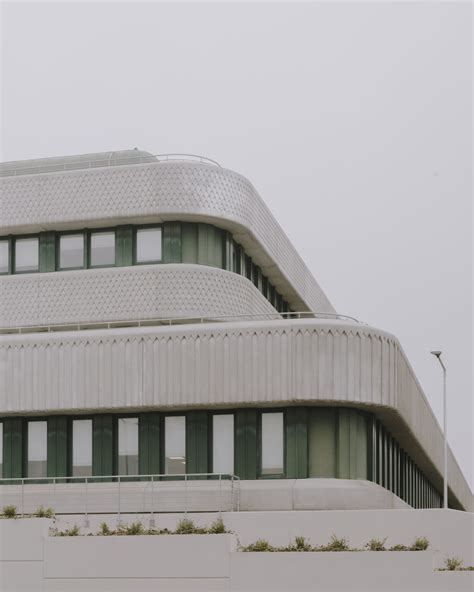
(169, 321)
(155, 481)
(123, 478)
(106, 162)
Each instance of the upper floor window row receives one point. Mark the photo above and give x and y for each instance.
(26, 258)
(76, 250)
(169, 242)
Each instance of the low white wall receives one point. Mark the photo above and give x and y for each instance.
(180, 556)
(339, 571)
(30, 560)
(21, 553)
(450, 532)
(316, 494)
(202, 496)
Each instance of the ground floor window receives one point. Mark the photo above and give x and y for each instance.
(223, 443)
(37, 449)
(128, 446)
(272, 444)
(296, 442)
(322, 441)
(175, 445)
(82, 447)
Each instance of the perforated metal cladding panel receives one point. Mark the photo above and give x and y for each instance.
(127, 293)
(39, 202)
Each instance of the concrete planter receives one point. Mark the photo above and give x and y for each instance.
(145, 556)
(356, 570)
(21, 553)
(21, 539)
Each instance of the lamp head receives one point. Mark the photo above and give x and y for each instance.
(436, 353)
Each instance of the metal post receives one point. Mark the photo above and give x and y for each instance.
(86, 518)
(185, 494)
(152, 519)
(220, 494)
(237, 482)
(437, 354)
(118, 514)
(445, 482)
(22, 497)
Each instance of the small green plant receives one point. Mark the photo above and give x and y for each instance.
(453, 563)
(301, 544)
(336, 544)
(399, 548)
(159, 531)
(186, 526)
(217, 527)
(9, 511)
(376, 545)
(260, 546)
(73, 531)
(420, 544)
(44, 512)
(135, 528)
(104, 529)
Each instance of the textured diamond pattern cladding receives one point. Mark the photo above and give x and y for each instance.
(126, 192)
(126, 293)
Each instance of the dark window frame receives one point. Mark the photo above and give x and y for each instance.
(260, 475)
(163, 416)
(9, 240)
(14, 241)
(210, 437)
(115, 452)
(136, 229)
(82, 232)
(27, 421)
(70, 450)
(89, 233)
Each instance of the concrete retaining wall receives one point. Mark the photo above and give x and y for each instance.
(30, 560)
(450, 532)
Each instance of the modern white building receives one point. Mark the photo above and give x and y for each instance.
(156, 320)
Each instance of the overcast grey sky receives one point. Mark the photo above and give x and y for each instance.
(353, 121)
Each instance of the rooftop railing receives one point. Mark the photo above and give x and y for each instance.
(99, 163)
(169, 321)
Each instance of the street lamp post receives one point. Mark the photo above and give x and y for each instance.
(437, 354)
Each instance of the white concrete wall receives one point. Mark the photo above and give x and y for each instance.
(450, 532)
(21, 554)
(340, 571)
(204, 562)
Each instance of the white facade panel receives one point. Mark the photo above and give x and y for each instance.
(226, 364)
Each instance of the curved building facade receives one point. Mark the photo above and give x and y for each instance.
(155, 320)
